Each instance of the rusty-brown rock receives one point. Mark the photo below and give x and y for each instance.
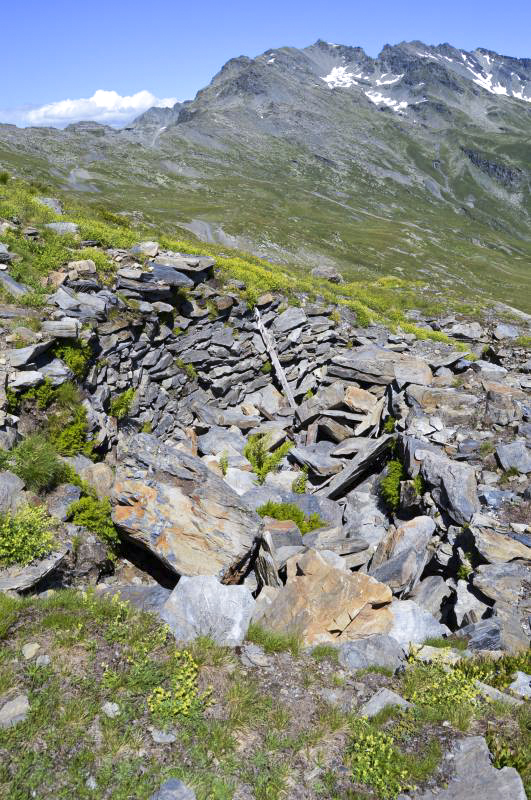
(172, 504)
(325, 604)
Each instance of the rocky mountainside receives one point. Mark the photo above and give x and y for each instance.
(415, 163)
(276, 478)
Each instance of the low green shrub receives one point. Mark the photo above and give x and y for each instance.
(121, 404)
(189, 369)
(441, 694)
(25, 535)
(389, 486)
(35, 462)
(69, 434)
(183, 698)
(389, 425)
(300, 484)
(273, 642)
(95, 515)
(224, 463)
(76, 354)
(376, 762)
(510, 744)
(285, 511)
(262, 461)
(325, 652)
(43, 395)
(497, 672)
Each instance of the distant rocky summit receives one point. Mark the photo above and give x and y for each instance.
(413, 164)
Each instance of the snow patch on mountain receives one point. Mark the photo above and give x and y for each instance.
(340, 76)
(378, 99)
(388, 81)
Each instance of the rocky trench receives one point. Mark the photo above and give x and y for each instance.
(445, 557)
(412, 460)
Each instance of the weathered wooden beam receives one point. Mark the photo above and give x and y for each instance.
(269, 343)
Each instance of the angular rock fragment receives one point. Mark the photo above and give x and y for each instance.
(453, 485)
(172, 504)
(325, 604)
(476, 777)
(201, 606)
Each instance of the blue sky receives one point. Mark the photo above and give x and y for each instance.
(156, 52)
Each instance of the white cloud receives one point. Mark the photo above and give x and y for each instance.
(104, 106)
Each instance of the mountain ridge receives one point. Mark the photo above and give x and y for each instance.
(415, 164)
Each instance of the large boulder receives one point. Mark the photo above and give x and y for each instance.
(375, 365)
(172, 504)
(515, 455)
(324, 604)
(202, 606)
(453, 485)
(411, 623)
(402, 554)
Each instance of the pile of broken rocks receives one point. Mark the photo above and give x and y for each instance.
(454, 555)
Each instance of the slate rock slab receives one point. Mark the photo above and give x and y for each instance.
(172, 504)
(174, 789)
(411, 623)
(379, 650)
(514, 456)
(202, 606)
(475, 777)
(62, 228)
(14, 708)
(18, 579)
(10, 491)
(325, 604)
(380, 700)
(453, 485)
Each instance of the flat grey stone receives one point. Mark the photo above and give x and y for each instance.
(56, 372)
(12, 286)
(521, 685)
(494, 694)
(372, 651)
(150, 249)
(468, 607)
(30, 650)
(111, 710)
(317, 457)
(18, 579)
(14, 708)
(380, 700)
(24, 380)
(174, 789)
(26, 355)
(51, 202)
(360, 465)
(291, 318)
(60, 500)
(252, 655)
(453, 485)
(411, 623)
(515, 455)
(10, 491)
(160, 737)
(65, 328)
(201, 606)
(431, 594)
